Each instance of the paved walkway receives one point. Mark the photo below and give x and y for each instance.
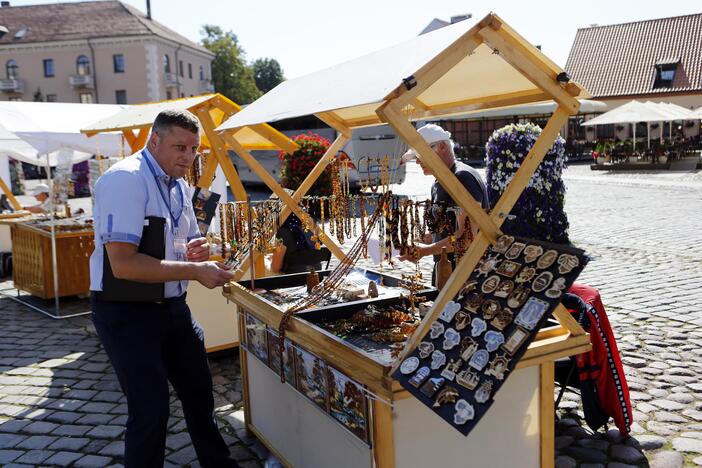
(60, 404)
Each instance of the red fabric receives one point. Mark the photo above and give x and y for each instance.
(603, 364)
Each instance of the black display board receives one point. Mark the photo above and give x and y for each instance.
(484, 331)
(204, 206)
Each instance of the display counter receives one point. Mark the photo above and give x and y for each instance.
(318, 419)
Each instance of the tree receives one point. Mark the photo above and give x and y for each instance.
(267, 73)
(230, 73)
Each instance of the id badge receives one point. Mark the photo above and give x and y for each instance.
(180, 240)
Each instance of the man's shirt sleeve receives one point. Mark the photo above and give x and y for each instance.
(120, 206)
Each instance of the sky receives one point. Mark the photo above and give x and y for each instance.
(309, 35)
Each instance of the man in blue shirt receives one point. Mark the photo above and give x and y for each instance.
(152, 343)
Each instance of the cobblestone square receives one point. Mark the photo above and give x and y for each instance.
(60, 404)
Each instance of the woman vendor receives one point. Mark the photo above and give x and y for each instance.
(296, 252)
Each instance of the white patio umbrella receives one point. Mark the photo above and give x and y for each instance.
(674, 112)
(632, 112)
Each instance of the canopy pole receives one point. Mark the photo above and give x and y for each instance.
(648, 134)
(633, 126)
(54, 260)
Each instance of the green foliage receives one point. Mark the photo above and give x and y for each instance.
(231, 75)
(267, 73)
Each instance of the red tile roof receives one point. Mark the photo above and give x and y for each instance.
(620, 59)
(82, 20)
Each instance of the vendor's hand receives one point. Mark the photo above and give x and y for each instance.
(213, 274)
(413, 255)
(198, 250)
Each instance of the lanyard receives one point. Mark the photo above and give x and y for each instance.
(166, 198)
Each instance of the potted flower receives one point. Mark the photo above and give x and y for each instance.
(295, 167)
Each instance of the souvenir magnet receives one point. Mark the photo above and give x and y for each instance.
(515, 250)
(409, 365)
(566, 263)
(464, 412)
(468, 347)
(531, 313)
(493, 340)
(542, 281)
(425, 349)
(518, 297)
(504, 317)
(478, 326)
(486, 265)
(508, 268)
(431, 386)
(490, 284)
(498, 367)
(532, 252)
(525, 275)
(483, 393)
(462, 320)
(446, 395)
(490, 309)
(546, 260)
(505, 289)
(420, 377)
(449, 311)
(468, 288)
(502, 244)
(468, 379)
(425, 307)
(479, 360)
(437, 329)
(515, 341)
(438, 359)
(473, 303)
(451, 339)
(556, 288)
(450, 370)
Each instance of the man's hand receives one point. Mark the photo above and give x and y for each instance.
(213, 274)
(198, 250)
(413, 255)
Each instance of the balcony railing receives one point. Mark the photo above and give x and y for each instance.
(81, 81)
(206, 86)
(12, 86)
(171, 79)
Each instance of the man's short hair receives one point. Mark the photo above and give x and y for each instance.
(170, 118)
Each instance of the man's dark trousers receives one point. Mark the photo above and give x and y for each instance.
(150, 344)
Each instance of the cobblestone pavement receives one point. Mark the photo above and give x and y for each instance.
(60, 403)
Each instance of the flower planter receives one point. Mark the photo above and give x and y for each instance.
(601, 160)
(633, 159)
(662, 159)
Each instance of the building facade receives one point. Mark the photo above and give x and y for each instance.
(655, 60)
(96, 52)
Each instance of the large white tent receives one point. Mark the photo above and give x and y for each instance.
(50, 127)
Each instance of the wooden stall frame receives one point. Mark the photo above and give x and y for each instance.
(565, 339)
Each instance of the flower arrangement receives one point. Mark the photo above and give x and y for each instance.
(539, 213)
(294, 167)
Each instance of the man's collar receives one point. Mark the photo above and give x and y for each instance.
(160, 173)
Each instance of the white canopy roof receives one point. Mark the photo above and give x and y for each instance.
(632, 112)
(675, 111)
(47, 127)
(696, 114)
(355, 89)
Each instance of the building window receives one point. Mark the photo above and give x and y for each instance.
(665, 74)
(166, 63)
(48, 68)
(169, 95)
(51, 98)
(190, 71)
(11, 70)
(118, 63)
(86, 98)
(202, 72)
(181, 70)
(83, 66)
(121, 96)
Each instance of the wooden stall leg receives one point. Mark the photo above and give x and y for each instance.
(383, 435)
(547, 414)
(10, 197)
(243, 368)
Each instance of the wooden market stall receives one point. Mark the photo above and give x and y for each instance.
(453, 70)
(212, 311)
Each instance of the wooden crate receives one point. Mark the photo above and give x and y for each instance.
(32, 267)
